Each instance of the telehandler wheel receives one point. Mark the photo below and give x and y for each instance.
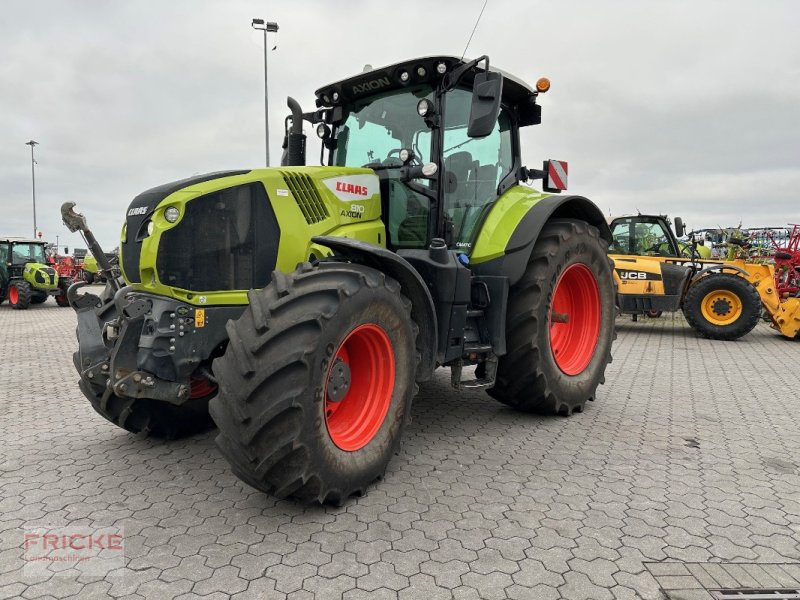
(88, 277)
(19, 295)
(154, 417)
(560, 323)
(316, 382)
(721, 306)
(38, 297)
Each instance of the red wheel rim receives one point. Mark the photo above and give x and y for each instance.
(201, 387)
(356, 417)
(575, 317)
(13, 295)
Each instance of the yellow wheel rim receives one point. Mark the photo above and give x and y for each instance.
(721, 307)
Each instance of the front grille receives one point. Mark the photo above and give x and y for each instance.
(307, 197)
(140, 211)
(226, 240)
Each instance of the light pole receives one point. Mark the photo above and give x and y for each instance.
(270, 27)
(33, 182)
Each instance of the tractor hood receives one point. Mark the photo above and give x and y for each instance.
(210, 238)
(43, 277)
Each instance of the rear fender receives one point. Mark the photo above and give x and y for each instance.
(396, 267)
(521, 236)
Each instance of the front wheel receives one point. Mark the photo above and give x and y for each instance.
(721, 306)
(19, 295)
(316, 382)
(560, 323)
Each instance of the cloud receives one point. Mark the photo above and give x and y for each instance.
(662, 106)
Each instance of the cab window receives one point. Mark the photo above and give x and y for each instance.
(641, 238)
(472, 167)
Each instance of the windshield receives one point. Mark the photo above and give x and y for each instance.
(25, 253)
(377, 128)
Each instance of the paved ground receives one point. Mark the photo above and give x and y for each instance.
(690, 455)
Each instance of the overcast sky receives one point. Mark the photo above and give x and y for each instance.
(690, 108)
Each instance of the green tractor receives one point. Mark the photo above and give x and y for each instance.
(299, 307)
(90, 270)
(26, 277)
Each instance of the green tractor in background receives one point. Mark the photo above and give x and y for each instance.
(91, 272)
(25, 276)
(304, 305)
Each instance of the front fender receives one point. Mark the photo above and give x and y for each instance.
(386, 261)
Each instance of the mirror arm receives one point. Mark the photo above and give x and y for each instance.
(451, 79)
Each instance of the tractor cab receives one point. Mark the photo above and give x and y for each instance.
(441, 134)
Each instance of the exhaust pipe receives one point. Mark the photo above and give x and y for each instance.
(294, 141)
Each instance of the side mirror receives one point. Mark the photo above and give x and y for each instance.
(679, 229)
(486, 94)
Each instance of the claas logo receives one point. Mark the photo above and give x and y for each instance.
(349, 188)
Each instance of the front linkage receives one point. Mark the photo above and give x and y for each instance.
(144, 359)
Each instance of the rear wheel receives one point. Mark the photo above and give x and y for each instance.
(88, 277)
(560, 323)
(316, 382)
(19, 295)
(721, 306)
(654, 314)
(38, 297)
(61, 298)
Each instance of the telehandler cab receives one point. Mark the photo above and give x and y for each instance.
(307, 303)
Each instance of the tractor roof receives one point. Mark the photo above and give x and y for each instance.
(19, 240)
(374, 81)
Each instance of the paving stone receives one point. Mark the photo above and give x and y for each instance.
(481, 502)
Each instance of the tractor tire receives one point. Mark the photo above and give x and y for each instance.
(38, 297)
(61, 298)
(560, 323)
(88, 277)
(654, 314)
(149, 417)
(316, 382)
(721, 306)
(19, 295)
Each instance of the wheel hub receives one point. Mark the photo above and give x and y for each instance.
(721, 306)
(338, 381)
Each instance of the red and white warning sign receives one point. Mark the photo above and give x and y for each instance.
(556, 175)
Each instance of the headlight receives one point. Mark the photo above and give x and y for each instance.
(404, 76)
(424, 107)
(150, 227)
(172, 214)
(441, 68)
(421, 72)
(323, 131)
